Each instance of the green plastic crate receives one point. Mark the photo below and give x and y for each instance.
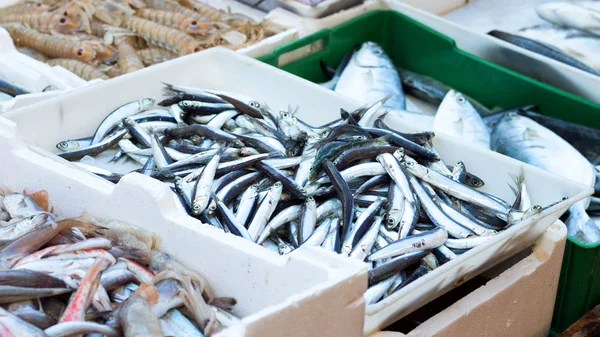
(418, 48)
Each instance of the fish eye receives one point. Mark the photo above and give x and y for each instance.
(254, 104)
(285, 115)
(461, 100)
(62, 20)
(377, 52)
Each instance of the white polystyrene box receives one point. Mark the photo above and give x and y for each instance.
(77, 114)
(276, 295)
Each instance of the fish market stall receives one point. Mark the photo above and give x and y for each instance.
(284, 199)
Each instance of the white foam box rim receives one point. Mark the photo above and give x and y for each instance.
(77, 114)
(276, 295)
(536, 66)
(528, 286)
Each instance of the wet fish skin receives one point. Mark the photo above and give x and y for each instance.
(372, 68)
(458, 118)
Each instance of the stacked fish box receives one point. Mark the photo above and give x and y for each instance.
(489, 84)
(28, 80)
(232, 77)
(307, 293)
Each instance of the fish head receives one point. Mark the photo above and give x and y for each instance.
(457, 105)
(286, 120)
(414, 167)
(67, 145)
(371, 55)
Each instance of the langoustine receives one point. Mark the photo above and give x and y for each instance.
(51, 46)
(169, 38)
(46, 22)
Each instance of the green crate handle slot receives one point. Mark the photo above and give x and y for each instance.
(305, 41)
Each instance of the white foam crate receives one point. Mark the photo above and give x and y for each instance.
(308, 25)
(471, 36)
(32, 75)
(77, 114)
(322, 9)
(309, 292)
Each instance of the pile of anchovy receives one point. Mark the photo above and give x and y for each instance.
(353, 186)
(66, 277)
